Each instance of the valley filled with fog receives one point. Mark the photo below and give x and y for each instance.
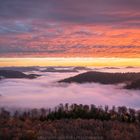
(45, 91)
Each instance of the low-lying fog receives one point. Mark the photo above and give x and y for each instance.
(46, 92)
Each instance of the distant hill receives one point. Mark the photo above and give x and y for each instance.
(21, 69)
(52, 69)
(15, 74)
(81, 68)
(111, 68)
(134, 85)
(103, 77)
(66, 69)
(130, 67)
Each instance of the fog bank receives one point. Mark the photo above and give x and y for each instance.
(46, 92)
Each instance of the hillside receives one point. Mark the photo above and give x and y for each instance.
(15, 74)
(103, 77)
(134, 85)
(51, 69)
(74, 122)
(20, 69)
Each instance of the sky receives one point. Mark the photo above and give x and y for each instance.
(70, 28)
(72, 61)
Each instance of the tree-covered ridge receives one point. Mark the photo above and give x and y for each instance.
(74, 122)
(131, 79)
(134, 85)
(71, 129)
(103, 77)
(16, 74)
(75, 111)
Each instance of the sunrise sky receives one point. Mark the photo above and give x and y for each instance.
(59, 29)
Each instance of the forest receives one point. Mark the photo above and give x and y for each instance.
(131, 79)
(75, 121)
(103, 77)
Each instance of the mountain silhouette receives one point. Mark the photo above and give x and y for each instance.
(16, 74)
(102, 77)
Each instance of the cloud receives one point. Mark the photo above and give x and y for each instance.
(67, 28)
(67, 49)
(15, 27)
(78, 11)
(86, 33)
(122, 35)
(23, 50)
(45, 92)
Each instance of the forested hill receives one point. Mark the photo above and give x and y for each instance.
(134, 85)
(15, 74)
(71, 122)
(103, 77)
